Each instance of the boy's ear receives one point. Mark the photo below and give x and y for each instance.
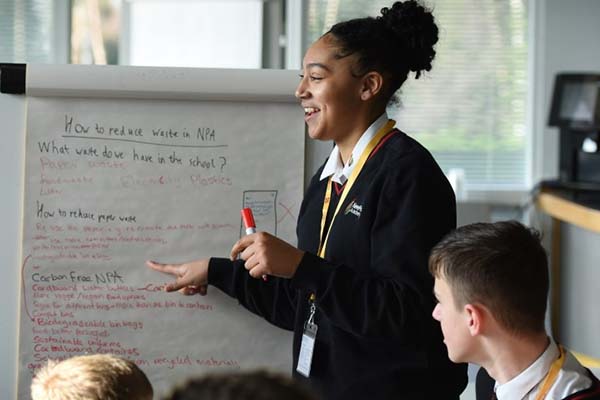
(476, 318)
(372, 82)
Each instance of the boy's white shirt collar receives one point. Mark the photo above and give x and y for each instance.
(340, 173)
(526, 385)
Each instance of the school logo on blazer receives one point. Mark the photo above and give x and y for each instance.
(353, 208)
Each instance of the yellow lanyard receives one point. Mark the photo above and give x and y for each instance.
(357, 168)
(552, 374)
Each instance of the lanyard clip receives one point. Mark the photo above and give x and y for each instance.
(313, 310)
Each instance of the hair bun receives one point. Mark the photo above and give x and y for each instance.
(414, 33)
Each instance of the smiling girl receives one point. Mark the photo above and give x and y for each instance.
(356, 291)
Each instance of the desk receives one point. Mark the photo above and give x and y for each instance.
(563, 210)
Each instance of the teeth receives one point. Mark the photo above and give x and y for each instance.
(310, 110)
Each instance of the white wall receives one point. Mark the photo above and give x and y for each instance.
(569, 38)
(570, 42)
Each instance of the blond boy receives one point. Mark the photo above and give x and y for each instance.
(91, 377)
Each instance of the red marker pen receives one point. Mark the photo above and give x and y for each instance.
(250, 226)
(248, 221)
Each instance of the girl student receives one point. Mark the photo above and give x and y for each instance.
(356, 291)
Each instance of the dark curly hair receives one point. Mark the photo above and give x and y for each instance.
(395, 43)
(252, 385)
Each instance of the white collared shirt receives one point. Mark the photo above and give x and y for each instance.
(339, 172)
(571, 379)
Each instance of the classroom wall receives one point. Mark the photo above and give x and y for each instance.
(571, 44)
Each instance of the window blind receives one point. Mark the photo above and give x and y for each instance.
(26, 29)
(470, 109)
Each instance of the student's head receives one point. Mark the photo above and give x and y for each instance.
(91, 377)
(354, 69)
(254, 385)
(492, 274)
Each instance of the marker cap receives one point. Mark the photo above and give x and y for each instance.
(248, 218)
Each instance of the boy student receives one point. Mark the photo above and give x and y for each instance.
(491, 283)
(91, 377)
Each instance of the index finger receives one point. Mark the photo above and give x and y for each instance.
(241, 245)
(172, 269)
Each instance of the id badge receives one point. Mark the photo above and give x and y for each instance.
(306, 349)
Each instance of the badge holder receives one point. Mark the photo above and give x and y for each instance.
(308, 342)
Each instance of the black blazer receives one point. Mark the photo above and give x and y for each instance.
(484, 385)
